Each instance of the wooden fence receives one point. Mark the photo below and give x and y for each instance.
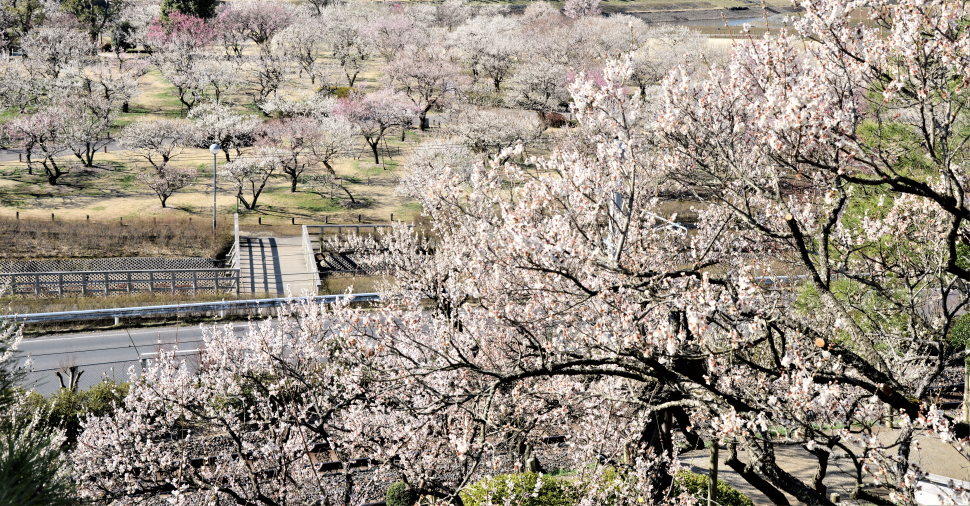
(108, 282)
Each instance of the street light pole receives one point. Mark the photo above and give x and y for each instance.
(214, 149)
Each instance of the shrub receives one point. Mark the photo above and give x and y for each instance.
(696, 485)
(400, 494)
(522, 489)
(66, 409)
(960, 331)
(341, 91)
(32, 469)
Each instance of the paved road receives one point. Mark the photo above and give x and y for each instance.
(105, 353)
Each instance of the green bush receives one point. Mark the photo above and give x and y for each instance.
(696, 485)
(523, 489)
(960, 331)
(400, 494)
(66, 409)
(341, 91)
(32, 469)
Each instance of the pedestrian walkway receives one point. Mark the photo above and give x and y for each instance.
(275, 267)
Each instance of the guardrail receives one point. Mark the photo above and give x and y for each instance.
(340, 228)
(234, 251)
(177, 309)
(310, 258)
(127, 281)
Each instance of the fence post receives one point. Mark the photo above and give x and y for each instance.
(195, 282)
(36, 284)
(84, 283)
(260, 219)
(52, 216)
(173, 281)
(292, 220)
(18, 215)
(128, 278)
(151, 281)
(60, 284)
(107, 277)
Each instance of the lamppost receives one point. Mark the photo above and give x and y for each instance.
(214, 149)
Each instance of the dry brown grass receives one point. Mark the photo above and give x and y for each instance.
(20, 304)
(40, 239)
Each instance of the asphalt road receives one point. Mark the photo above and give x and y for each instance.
(102, 354)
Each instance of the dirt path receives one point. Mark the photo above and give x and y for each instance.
(932, 455)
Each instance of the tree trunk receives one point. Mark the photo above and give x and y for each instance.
(349, 195)
(712, 488)
(966, 385)
(293, 179)
(755, 480)
(373, 148)
(423, 120)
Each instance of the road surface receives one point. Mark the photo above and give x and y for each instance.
(103, 353)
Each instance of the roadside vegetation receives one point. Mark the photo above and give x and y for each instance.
(35, 238)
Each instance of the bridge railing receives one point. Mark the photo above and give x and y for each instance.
(310, 257)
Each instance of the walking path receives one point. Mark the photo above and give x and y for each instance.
(932, 455)
(275, 266)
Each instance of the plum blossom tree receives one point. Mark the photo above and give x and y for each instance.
(255, 20)
(249, 174)
(490, 132)
(581, 8)
(219, 124)
(397, 31)
(346, 39)
(318, 6)
(179, 50)
(375, 113)
(43, 137)
(488, 45)
(53, 52)
(302, 42)
(294, 139)
(560, 299)
(664, 49)
(183, 32)
(541, 85)
(157, 141)
(17, 89)
(266, 76)
(450, 14)
(427, 78)
(167, 181)
(336, 139)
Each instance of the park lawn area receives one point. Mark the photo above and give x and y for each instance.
(112, 191)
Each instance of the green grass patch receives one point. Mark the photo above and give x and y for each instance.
(306, 201)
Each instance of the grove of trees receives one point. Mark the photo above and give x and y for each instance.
(764, 254)
(244, 71)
